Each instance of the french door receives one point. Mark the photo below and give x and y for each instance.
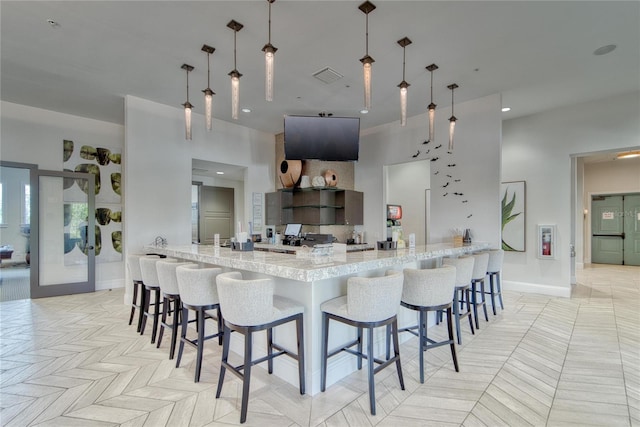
(63, 240)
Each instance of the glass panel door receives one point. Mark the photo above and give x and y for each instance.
(64, 242)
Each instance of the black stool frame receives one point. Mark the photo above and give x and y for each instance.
(244, 371)
(474, 300)
(175, 321)
(426, 343)
(392, 329)
(137, 287)
(492, 292)
(146, 297)
(198, 342)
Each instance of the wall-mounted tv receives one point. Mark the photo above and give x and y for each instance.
(321, 138)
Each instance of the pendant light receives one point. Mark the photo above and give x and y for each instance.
(452, 119)
(208, 93)
(432, 107)
(235, 74)
(269, 52)
(404, 42)
(187, 105)
(366, 60)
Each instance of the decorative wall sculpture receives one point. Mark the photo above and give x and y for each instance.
(105, 164)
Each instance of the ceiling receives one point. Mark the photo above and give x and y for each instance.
(537, 54)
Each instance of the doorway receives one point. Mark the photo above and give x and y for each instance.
(213, 213)
(15, 230)
(615, 229)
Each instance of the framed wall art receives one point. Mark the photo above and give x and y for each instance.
(513, 216)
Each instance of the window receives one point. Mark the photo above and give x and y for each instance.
(26, 204)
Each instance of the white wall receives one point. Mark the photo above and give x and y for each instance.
(157, 178)
(477, 159)
(537, 149)
(613, 177)
(32, 135)
(406, 186)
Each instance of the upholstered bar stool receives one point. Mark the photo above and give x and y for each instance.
(424, 291)
(198, 292)
(151, 286)
(477, 280)
(168, 281)
(496, 257)
(462, 292)
(133, 263)
(370, 302)
(249, 306)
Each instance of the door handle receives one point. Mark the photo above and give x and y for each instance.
(90, 248)
(608, 235)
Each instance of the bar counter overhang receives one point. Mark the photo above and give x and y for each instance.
(311, 281)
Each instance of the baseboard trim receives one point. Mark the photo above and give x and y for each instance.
(534, 288)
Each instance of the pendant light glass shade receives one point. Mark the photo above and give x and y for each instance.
(235, 94)
(367, 60)
(235, 74)
(268, 73)
(432, 106)
(367, 85)
(208, 93)
(452, 119)
(403, 103)
(187, 105)
(404, 42)
(269, 53)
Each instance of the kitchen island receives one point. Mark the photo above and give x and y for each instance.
(311, 280)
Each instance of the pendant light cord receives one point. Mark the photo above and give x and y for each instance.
(366, 44)
(269, 22)
(187, 86)
(404, 52)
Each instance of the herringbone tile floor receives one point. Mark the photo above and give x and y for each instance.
(74, 361)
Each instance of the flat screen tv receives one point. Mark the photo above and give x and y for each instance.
(321, 138)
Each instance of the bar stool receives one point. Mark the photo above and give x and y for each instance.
(424, 291)
(198, 292)
(479, 274)
(151, 285)
(249, 306)
(462, 292)
(170, 295)
(133, 263)
(496, 257)
(370, 302)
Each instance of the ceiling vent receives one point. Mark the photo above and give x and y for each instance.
(327, 75)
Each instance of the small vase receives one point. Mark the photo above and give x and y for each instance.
(290, 171)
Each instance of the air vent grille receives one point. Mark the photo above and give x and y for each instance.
(327, 75)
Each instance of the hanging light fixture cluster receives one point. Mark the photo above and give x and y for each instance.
(269, 53)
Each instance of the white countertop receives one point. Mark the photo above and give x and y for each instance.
(290, 266)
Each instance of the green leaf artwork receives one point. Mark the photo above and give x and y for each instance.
(507, 216)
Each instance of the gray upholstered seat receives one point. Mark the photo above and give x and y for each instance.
(494, 268)
(477, 279)
(133, 264)
(249, 306)
(424, 291)
(462, 292)
(168, 281)
(198, 293)
(370, 302)
(151, 285)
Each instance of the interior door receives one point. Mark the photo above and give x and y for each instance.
(607, 229)
(216, 213)
(632, 229)
(64, 238)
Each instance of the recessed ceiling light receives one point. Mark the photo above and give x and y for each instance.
(604, 49)
(220, 173)
(505, 109)
(364, 111)
(246, 110)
